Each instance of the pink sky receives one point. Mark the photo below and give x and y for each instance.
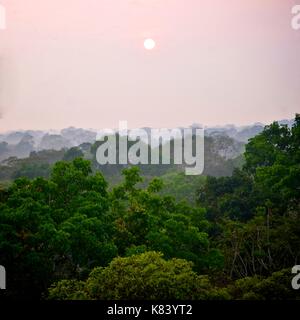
(82, 63)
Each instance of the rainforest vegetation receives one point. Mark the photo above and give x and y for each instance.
(66, 233)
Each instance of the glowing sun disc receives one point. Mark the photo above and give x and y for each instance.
(149, 44)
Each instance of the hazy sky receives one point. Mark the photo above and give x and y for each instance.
(82, 63)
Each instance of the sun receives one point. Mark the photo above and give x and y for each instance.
(149, 44)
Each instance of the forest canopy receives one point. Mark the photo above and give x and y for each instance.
(73, 236)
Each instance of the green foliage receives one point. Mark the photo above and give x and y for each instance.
(72, 154)
(274, 158)
(134, 240)
(159, 223)
(68, 290)
(181, 186)
(53, 229)
(146, 276)
(271, 178)
(63, 227)
(233, 197)
(255, 212)
(275, 287)
(38, 164)
(32, 171)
